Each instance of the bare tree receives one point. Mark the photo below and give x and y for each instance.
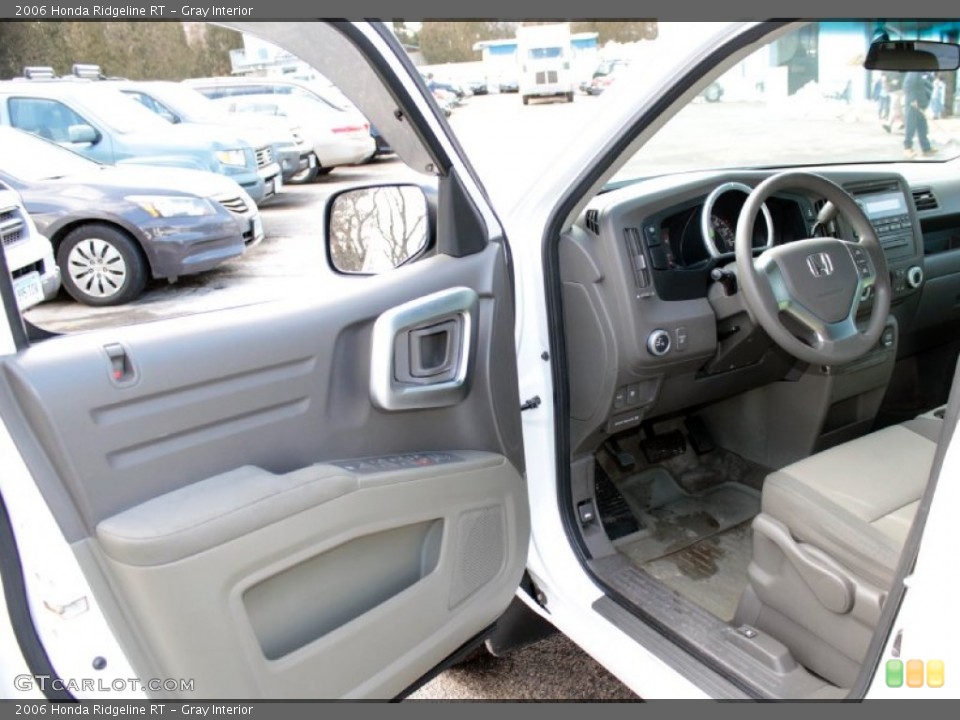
(402, 233)
(348, 219)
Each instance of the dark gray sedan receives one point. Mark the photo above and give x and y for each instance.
(113, 228)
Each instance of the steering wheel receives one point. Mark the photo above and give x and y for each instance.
(806, 293)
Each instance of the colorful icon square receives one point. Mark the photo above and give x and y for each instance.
(935, 673)
(894, 673)
(914, 673)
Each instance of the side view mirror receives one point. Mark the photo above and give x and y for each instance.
(82, 135)
(912, 55)
(373, 229)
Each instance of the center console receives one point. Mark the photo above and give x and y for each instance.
(886, 205)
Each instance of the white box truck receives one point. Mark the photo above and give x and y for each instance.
(544, 56)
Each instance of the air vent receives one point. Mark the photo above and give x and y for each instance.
(593, 221)
(925, 200)
(641, 274)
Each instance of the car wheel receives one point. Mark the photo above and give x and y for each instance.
(305, 176)
(526, 100)
(713, 93)
(569, 97)
(324, 170)
(101, 265)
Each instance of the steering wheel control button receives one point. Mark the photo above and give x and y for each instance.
(862, 262)
(658, 343)
(915, 277)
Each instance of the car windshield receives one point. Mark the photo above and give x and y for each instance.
(122, 113)
(289, 105)
(27, 157)
(186, 101)
(806, 99)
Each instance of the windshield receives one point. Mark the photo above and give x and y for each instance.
(806, 99)
(545, 53)
(194, 106)
(122, 113)
(27, 157)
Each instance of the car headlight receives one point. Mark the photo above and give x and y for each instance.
(236, 157)
(169, 206)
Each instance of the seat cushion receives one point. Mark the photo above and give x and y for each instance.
(856, 501)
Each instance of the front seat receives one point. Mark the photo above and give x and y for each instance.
(827, 542)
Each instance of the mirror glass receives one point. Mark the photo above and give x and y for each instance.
(907, 55)
(373, 229)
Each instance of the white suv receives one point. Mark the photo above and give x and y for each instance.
(35, 274)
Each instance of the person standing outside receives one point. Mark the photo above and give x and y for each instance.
(881, 93)
(937, 98)
(894, 120)
(917, 89)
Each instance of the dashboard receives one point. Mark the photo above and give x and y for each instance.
(650, 289)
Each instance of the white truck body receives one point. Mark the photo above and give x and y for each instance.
(544, 56)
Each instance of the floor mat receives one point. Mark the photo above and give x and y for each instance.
(691, 471)
(672, 519)
(712, 572)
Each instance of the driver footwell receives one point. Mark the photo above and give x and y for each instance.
(685, 521)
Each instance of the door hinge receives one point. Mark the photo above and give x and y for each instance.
(530, 404)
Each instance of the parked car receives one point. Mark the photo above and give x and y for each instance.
(685, 397)
(176, 103)
(323, 91)
(33, 271)
(478, 87)
(605, 75)
(103, 124)
(113, 228)
(336, 137)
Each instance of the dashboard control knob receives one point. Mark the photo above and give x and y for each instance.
(915, 276)
(658, 343)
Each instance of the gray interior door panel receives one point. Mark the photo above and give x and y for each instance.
(247, 511)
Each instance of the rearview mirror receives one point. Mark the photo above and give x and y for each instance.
(373, 229)
(82, 134)
(907, 55)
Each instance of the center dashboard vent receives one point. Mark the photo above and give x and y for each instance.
(592, 221)
(924, 199)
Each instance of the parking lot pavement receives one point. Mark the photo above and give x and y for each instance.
(553, 669)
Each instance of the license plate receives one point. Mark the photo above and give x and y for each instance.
(257, 228)
(313, 161)
(29, 290)
(278, 183)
